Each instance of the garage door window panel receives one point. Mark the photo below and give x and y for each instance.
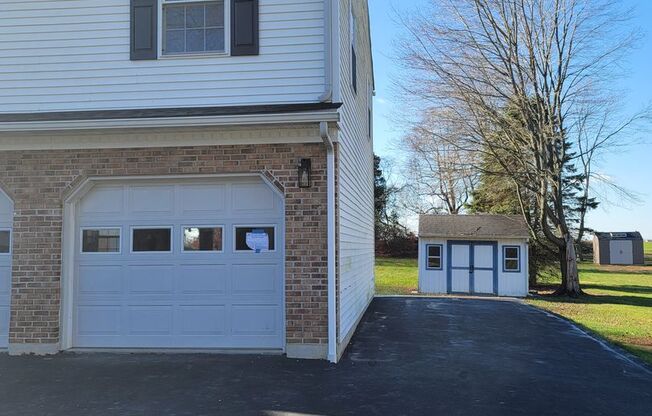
(100, 240)
(203, 239)
(511, 259)
(434, 253)
(151, 240)
(5, 242)
(255, 238)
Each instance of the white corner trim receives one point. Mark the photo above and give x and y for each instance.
(167, 122)
(328, 52)
(330, 213)
(335, 47)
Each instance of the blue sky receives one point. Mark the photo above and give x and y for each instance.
(631, 167)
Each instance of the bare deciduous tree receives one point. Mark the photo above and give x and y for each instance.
(440, 175)
(517, 76)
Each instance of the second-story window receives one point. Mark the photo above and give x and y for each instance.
(193, 27)
(354, 43)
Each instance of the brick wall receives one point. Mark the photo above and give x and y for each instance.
(38, 181)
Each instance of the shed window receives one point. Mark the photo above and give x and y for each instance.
(433, 257)
(511, 259)
(193, 27)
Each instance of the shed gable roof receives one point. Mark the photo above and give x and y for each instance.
(473, 226)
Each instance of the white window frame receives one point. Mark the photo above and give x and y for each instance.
(96, 253)
(235, 236)
(11, 241)
(150, 227)
(205, 252)
(440, 257)
(185, 55)
(517, 259)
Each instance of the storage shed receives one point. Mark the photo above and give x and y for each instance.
(622, 248)
(473, 254)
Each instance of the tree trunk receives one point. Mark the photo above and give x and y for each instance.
(570, 278)
(533, 275)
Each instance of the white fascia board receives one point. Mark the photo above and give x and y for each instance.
(163, 122)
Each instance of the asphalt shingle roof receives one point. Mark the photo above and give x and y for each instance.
(473, 226)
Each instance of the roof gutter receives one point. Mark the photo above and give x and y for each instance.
(330, 214)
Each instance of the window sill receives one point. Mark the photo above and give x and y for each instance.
(194, 55)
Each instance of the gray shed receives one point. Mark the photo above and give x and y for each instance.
(623, 248)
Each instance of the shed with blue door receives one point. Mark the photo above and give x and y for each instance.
(473, 255)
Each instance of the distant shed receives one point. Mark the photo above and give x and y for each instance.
(622, 248)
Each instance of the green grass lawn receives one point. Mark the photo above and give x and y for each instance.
(396, 276)
(617, 305)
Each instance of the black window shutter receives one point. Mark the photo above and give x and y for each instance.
(244, 27)
(354, 70)
(144, 24)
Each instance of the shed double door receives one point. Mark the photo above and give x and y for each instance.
(473, 267)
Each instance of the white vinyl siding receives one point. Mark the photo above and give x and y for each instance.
(355, 174)
(74, 55)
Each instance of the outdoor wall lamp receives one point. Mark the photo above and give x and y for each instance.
(305, 173)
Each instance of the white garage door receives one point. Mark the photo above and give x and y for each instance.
(6, 222)
(622, 252)
(180, 265)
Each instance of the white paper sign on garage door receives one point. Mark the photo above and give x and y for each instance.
(180, 274)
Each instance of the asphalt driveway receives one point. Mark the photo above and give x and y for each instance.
(410, 356)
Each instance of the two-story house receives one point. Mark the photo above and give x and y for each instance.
(185, 175)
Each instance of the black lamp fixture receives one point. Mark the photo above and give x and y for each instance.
(305, 173)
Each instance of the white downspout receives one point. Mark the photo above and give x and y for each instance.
(527, 268)
(330, 227)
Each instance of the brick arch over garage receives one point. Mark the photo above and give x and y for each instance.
(41, 180)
